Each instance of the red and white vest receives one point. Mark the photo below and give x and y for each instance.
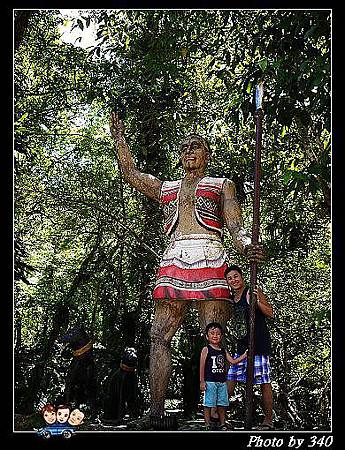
(207, 207)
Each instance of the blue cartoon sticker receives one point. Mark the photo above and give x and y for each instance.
(60, 421)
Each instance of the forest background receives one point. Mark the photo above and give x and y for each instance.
(87, 246)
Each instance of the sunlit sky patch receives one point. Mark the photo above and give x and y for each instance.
(88, 35)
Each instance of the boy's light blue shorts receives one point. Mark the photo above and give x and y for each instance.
(216, 394)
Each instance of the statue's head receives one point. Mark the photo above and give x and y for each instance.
(195, 153)
(129, 357)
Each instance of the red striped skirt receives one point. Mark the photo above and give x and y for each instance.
(192, 268)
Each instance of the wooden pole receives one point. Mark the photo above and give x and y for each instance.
(253, 265)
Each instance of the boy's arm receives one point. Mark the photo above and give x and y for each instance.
(232, 360)
(203, 356)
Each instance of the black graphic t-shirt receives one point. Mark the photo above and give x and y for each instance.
(262, 340)
(215, 369)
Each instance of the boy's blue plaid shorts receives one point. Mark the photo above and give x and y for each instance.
(262, 369)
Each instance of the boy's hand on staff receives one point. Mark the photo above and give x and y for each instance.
(260, 296)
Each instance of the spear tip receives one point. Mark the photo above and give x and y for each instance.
(259, 94)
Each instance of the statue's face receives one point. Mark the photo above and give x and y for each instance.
(194, 154)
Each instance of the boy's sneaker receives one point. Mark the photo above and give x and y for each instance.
(208, 427)
(214, 426)
(223, 428)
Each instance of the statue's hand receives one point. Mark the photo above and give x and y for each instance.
(255, 253)
(117, 128)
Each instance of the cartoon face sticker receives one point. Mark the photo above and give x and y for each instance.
(62, 414)
(76, 417)
(49, 414)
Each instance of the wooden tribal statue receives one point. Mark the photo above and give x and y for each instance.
(192, 267)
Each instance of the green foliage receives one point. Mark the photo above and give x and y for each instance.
(86, 241)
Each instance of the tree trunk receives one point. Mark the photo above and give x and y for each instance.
(21, 20)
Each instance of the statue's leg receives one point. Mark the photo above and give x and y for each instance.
(168, 317)
(213, 311)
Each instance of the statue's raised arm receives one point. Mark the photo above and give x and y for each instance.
(143, 182)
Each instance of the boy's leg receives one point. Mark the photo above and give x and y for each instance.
(266, 390)
(221, 414)
(207, 415)
(214, 413)
(267, 400)
(210, 401)
(222, 402)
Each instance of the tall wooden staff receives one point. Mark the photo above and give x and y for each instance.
(253, 265)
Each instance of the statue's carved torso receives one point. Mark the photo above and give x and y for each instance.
(193, 207)
(187, 222)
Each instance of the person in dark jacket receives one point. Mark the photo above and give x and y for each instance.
(262, 341)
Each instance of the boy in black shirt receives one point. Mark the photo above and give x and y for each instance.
(213, 374)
